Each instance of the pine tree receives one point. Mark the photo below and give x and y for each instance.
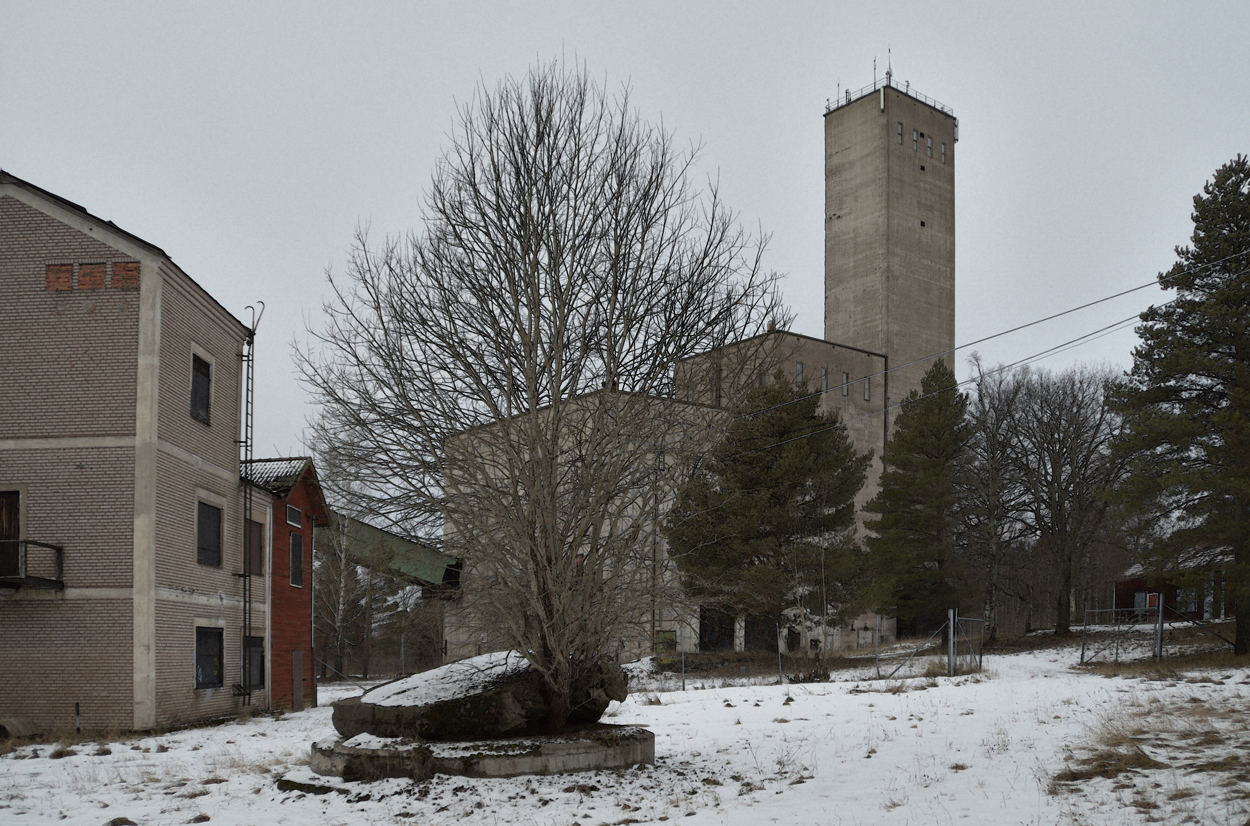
(911, 546)
(1187, 401)
(752, 527)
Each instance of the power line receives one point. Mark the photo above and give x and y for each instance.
(1016, 329)
(1050, 351)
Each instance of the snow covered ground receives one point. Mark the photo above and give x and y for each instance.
(979, 749)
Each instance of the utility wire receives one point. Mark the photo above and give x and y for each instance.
(1050, 351)
(1016, 329)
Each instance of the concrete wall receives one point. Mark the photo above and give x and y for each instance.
(890, 232)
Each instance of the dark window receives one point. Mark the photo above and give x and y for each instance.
(253, 662)
(915, 140)
(867, 389)
(297, 560)
(900, 133)
(943, 151)
(208, 535)
(201, 388)
(209, 671)
(10, 532)
(254, 549)
(294, 517)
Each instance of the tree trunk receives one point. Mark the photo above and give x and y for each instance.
(1063, 621)
(1241, 597)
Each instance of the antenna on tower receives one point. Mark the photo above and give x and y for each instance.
(874, 71)
(889, 65)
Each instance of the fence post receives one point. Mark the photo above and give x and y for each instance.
(876, 647)
(681, 630)
(1084, 629)
(950, 648)
(781, 678)
(1159, 631)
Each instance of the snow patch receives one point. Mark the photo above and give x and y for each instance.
(458, 679)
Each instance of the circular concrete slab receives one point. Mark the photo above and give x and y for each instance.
(367, 757)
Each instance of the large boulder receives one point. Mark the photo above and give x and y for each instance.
(482, 697)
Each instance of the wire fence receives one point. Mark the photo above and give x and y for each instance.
(1109, 633)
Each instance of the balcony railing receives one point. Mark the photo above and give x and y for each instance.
(25, 563)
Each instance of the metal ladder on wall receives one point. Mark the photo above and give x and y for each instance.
(248, 363)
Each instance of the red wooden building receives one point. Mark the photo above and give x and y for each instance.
(298, 508)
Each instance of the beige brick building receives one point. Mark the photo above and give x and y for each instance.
(121, 509)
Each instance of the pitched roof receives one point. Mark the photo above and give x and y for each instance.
(10, 179)
(277, 476)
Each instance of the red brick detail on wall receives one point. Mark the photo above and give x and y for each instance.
(60, 276)
(90, 276)
(125, 274)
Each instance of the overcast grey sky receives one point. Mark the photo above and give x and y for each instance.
(248, 140)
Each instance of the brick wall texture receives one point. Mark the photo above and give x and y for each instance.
(69, 378)
(292, 606)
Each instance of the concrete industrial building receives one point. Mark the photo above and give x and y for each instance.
(889, 281)
(889, 314)
(890, 230)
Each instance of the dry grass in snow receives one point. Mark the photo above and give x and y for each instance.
(1033, 740)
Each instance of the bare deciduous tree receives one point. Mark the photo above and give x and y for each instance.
(501, 380)
(1062, 435)
(993, 501)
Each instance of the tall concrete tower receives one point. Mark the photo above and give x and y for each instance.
(890, 229)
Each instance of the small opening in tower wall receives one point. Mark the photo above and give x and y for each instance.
(922, 167)
(922, 223)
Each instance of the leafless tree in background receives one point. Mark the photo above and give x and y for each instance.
(1062, 437)
(993, 502)
(500, 381)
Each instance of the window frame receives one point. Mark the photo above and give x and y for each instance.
(213, 635)
(253, 547)
(202, 387)
(798, 372)
(295, 572)
(900, 133)
(18, 493)
(250, 645)
(202, 502)
(846, 384)
(867, 388)
(298, 521)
